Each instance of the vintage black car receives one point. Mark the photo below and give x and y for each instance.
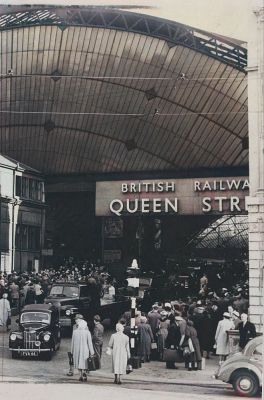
(38, 332)
(72, 298)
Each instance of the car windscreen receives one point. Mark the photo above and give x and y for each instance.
(33, 316)
(257, 353)
(64, 291)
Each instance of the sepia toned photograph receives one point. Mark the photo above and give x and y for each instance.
(131, 199)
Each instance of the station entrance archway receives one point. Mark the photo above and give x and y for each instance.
(92, 93)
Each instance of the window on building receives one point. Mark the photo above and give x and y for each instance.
(24, 237)
(32, 189)
(39, 191)
(4, 235)
(18, 185)
(28, 237)
(33, 238)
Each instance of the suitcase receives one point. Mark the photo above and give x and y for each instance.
(172, 355)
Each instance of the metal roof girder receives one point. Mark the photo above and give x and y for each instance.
(113, 23)
(141, 25)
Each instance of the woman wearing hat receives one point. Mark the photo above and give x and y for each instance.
(5, 311)
(221, 338)
(119, 343)
(145, 338)
(236, 318)
(81, 347)
(195, 358)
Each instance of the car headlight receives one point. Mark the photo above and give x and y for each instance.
(46, 337)
(13, 337)
(68, 312)
(37, 343)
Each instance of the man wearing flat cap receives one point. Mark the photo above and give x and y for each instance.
(154, 318)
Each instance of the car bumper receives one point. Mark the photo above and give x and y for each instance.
(29, 350)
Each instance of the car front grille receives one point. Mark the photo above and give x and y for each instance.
(29, 340)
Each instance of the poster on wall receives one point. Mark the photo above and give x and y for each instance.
(113, 228)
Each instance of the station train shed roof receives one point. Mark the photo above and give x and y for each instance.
(88, 90)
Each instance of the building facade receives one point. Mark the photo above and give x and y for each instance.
(22, 216)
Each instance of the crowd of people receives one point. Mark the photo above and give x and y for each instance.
(196, 327)
(29, 288)
(172, 332)
(183, 329)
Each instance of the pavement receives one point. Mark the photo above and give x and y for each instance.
(48, 379)
(32, 370)
(156, 371)
(82, 391)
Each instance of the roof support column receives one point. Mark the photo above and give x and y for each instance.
(255, 201)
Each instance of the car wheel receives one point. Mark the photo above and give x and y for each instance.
(245, 383)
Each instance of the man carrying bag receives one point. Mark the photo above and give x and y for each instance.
(171, 352)
(98, 334)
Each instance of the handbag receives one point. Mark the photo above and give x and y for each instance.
(108, 351)
(186, 352)
(92, 363)
(129, 369)
(154, 346)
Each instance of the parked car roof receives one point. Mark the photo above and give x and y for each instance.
(69, 284)
(39, 307)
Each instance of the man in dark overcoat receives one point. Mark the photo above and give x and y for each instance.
(247, 331)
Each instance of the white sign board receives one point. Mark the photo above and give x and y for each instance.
(172, 196)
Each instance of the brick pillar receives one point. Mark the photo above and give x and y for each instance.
(255, 202)
(256, 259)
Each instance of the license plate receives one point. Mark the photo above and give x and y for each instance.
(30, 353)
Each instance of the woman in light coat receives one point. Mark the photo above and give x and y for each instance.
(221, 338)
(145, 338)
(5, 311)
(81, 347)
(195, 360)
(119, 343)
